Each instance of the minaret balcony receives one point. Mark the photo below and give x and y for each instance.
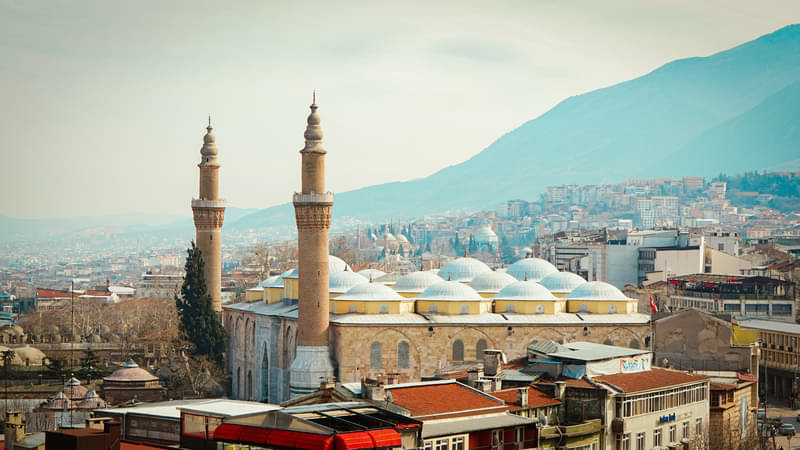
(203, 203)
(314, 198)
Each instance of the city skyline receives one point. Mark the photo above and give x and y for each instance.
(86, 127)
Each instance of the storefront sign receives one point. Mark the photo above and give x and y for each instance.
(666, 418)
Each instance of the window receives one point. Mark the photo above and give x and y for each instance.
(685, 431)
(384, 309)
(640, 441)
(442, 444)
(612, 309)
(464, 309)
(403, 360)
(698, 426)
(539, 309)
(480, 346)
(432, 308)
(497, 439)
(458, 350)
(353, 308)
(457, 443)
(375, 356)
(519, 435)
(624, 441)
(672, 433)
(583, 308)
(657, 437)
(510, 308)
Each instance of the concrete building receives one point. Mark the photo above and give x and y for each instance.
(159, 286)
(209, 213)
(732, 421)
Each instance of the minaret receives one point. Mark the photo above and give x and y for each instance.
(312, 208)
(209, 212)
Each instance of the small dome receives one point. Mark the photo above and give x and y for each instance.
(485, 234)
(416, 282)
(596, 290)
(562, 281)
(369, 292)
(73, 389)
(130, 372)
(402, 238)
(30, 355)
(463, 269)
(371, 274)
(389, 237)
(341, 282)
(532, 269)
(449, 290)
(335, 264)
(491, 281)
(524, 290)
(269, 281)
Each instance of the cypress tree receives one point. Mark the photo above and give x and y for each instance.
(200, 324)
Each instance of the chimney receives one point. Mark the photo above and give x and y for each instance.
(97, 423)
(561, 389)
(15, 429)
(474, 375)
(493, 362)
(522, 397)
(112, 429)
(484, 385)
(373, 390)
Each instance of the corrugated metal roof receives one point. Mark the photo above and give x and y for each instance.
(228, 408)
(589, 351)
(472, 423)
(769, 325)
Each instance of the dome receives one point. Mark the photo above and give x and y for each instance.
(30, 355)
(130, 372)
(416, 281)
(485, 234)
(73, 389)
(491, 281)
(371, 274)
(389, 237)
(562, 281)
(402, 238)
(335, 264)
(341, 282)
(524, 290)
(463, 269)
(270, 281)
(533, 269)
(596, 290)
(449, 290)
(371, 291)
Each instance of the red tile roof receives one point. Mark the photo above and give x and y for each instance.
(430, 399)
(655, 378)
(51, 293)
(536, 398)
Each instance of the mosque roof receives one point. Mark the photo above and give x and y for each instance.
(451, 291)
(335, 264)
(341, 282)
(485, 233)
(371, 292)
(531, 269)
(596, 290)
(463, 269)
(416, 281)
(562, 281)
(491, 281)
(524, 290)
(372, 274)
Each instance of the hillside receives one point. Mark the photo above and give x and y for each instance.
(627, 130)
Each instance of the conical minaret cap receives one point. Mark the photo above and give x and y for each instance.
(209, 151)
(313, 134)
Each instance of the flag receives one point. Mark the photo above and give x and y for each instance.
(653, 307)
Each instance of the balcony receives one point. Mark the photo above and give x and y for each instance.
(325, 197)
(589, 427)
(203, 203)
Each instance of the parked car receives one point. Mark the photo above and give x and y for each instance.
(786, 429)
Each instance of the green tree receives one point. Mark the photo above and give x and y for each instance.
(199, 323)
(90, 364)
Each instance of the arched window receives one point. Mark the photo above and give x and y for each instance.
(249, 384)
(265, 374)
(239, 383)
(403, 359)
(464, 309)
(612, 309)
(480, 346)
(510, 308)
(253, 337)
(539, 309)
(375, 356)
(432, 308)
(352, 308)
(458, 350)
(384, 309)
(583, 308)
(634, 343)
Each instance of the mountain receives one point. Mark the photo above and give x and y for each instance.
(646, 127)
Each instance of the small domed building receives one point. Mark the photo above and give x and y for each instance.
(527, 297)
(561, 284)
(488, 284)
(131, 382)
(598, 297)
(452, 298)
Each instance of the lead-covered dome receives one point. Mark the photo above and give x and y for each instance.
(449, 290)
(371, 292)
(130, 372)
(341, 282)
(491, 281)
(371, 274)
(463, 269)
(485, 235)
(596, 290)
(416, 282)
(524, 290)
(531, 269)
(335, 264)
(270, 281)
(562, 282)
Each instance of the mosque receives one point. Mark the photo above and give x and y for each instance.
(323, 320)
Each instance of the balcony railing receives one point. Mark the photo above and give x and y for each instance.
(588, 427)
(325, 197)
(203, 203)
(729, 295)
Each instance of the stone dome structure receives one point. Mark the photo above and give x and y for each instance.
(131, 382)
(525, 290)
(531, 269)
(597, 290)
(30, 356)
(562, 282)
(491, 282)
(416, 282)
(73, 389)
(463, 269)
(485, 235)
(371, 292)
(341, 282)
(449, 290)
(335, 264)
(130, 372)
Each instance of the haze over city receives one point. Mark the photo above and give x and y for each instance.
(105, 102)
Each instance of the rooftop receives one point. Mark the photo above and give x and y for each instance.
(655, 378)
(442, 398)
(589, 351)
(536, 398)
(768, 325)
(227, 408)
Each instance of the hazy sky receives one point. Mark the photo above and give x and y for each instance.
(104, 102)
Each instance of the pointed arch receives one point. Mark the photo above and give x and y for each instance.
(458, 350)
(403, 356)
(265, 374)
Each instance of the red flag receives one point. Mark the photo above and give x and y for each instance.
(653, 307)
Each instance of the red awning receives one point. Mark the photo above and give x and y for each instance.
(367, 439)
(385, 438)
(228, 432)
